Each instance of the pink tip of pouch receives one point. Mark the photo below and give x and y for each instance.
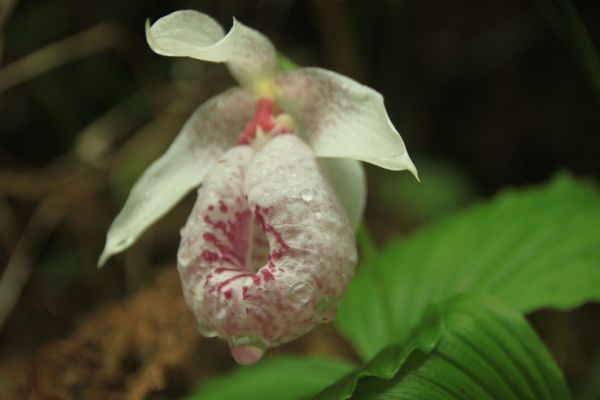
(247, 354)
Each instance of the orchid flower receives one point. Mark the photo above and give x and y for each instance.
(269, 248)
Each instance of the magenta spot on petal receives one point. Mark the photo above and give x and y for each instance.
(222, 206)
(276, 254)
(221, 270)
(267, 275)
(209, 237)
(210, 256)
(210, 208)
(228, 293)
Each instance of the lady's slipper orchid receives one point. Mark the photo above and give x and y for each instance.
(269, 246)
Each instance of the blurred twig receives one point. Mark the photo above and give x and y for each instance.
(6, 9)
(100, 37)
(339, 50)
(43, 221)
(583, 42)
(71, 179)
(96, 140)
(368, 250)
(8, 224)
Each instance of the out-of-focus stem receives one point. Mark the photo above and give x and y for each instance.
(365, 245)
(583, 42)
(17, 271)
(6, 9)
(100, 37)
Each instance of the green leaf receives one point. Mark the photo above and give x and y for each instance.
(285, 63)
(530, 248)
(285, 378)
(477, 350)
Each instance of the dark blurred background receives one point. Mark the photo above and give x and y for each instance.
(486, 94)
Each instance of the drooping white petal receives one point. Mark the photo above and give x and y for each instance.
(211, 129)
(342, 118)
(347, 178)
(249, 55)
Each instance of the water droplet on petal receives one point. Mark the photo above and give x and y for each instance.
(301, 293)
(247, 350)
(307, 194)
(326, 309)
(204, 330)
(125, 242)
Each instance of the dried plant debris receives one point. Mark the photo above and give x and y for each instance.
(145, 347)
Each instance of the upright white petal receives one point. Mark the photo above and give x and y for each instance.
(211, 129)
(342, 118)
(347, 178)
(249, 55)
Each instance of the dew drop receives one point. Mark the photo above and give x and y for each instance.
(301, 293)
(204, 330)
(247, 350)
(307, 195)
(125, 242)
(326, 309)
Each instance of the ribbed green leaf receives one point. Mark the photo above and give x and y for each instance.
(530, 248)
(285, 378)
(478, 350)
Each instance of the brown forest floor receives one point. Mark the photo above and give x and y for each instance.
(145, 347)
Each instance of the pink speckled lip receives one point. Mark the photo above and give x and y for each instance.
(266, 246)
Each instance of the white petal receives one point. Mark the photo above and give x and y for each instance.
(249, 55)
(342, 118)
(212, 129)
(347, 178)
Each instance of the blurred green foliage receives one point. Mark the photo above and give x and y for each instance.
(278, 378)
(531, 249)
(444, 187)
(467, 348)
